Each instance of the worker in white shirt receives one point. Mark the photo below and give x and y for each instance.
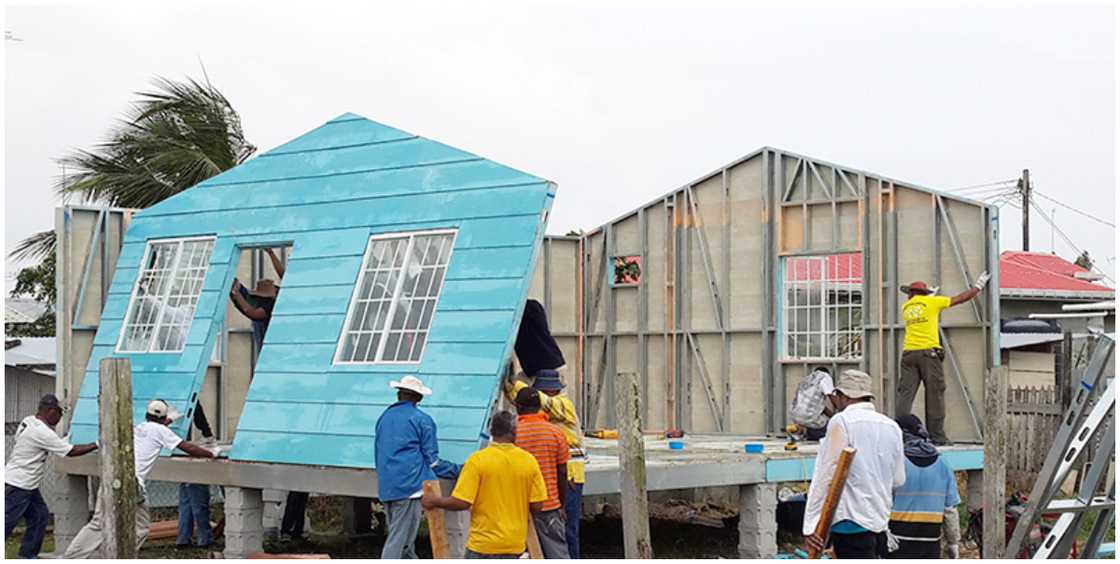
(859, 524)
(149, 438)
(35, 438)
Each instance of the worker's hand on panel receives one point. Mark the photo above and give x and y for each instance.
(982, 281)
(214, 450)
(814, 542)
(428, 500)
(235, 286)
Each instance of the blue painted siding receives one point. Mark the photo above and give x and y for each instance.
(326, 192)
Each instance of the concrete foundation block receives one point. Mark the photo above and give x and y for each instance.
(71, 509)
(975, 489)
(758, 522)
(244, 522)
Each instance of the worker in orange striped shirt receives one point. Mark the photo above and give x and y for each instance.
(547, 444)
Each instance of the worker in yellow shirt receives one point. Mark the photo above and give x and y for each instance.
(499, 485)
(562, 413)
(922, 353)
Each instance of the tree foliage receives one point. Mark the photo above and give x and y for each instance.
(174, 136)
(35, 282)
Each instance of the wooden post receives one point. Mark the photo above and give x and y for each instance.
(832, 498)
(120, 493)
(995, 462)
(632, 468)
(437, 527)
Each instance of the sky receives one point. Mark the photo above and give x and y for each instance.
(617, 102)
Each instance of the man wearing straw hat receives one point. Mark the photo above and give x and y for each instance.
(859, 524)
(922, 353)
(406, 454)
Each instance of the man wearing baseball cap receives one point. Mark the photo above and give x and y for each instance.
(859, 524)
(922, 353)
(406, 454)
(35, 438)
(148, 438)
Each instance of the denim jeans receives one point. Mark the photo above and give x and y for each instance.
(573, 507)
(403, 516)
(29, 505)
(194, 511)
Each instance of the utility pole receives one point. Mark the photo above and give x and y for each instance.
(1025, 191)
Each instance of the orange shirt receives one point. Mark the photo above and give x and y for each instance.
(547, 444)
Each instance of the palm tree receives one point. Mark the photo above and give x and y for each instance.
(173, 137)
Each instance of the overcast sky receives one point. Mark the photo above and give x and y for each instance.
(617, 102)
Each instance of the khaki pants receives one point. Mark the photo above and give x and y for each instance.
(88, 541)
(923, 367)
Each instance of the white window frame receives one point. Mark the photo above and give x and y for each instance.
(828, 336)
(136, 287)
(395, 300)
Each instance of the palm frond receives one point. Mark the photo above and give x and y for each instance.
(37, 246)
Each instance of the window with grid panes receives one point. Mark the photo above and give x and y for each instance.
(166, 293)
(822, 307)
(395, 297)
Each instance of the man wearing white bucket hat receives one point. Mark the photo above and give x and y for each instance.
(859, 525)
(149, 438)
(406, 454)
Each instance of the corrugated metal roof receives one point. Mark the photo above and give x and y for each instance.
(1045, 275)
(327, 192)
(22, 310)
(32, 351)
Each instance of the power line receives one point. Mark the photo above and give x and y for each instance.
(1067, 238)
(997, 183)
(1073, 209)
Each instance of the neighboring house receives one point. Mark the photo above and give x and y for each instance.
(1043, 283)
(407, 257)
(28, 374)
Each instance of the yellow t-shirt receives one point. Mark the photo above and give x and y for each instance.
(921, 314)
(500, 481)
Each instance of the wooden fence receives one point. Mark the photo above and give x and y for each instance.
(1033, 415)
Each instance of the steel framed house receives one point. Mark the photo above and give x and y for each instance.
(739, 270)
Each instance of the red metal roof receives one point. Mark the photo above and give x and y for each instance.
(1043, 272)
(845, 267)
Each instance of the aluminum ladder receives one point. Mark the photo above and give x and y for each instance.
(1087, 418)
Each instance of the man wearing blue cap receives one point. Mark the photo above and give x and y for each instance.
(35, 438)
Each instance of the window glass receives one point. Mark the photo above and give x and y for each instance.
(395, 297)
(163, 301)
(822, 310)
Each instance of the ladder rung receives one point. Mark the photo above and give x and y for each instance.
(1074, 505)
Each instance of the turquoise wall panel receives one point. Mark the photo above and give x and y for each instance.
(325, 193)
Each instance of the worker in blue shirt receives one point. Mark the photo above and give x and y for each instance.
(925, 507)
(406, 454)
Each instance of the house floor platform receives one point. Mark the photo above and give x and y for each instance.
(706, 461)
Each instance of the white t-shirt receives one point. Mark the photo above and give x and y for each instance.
(148, 439)
(28, 460)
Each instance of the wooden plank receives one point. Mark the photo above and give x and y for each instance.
(832, 498)
(437, 525)
(533, 542)
(631, 459)
(120, 493)
(995, 461)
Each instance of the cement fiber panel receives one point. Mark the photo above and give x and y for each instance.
(562, 317)
(748, 411)
(747, 216)
(709, 205)
(653, 267)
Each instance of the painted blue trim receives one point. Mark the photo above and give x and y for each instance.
(800, 469)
